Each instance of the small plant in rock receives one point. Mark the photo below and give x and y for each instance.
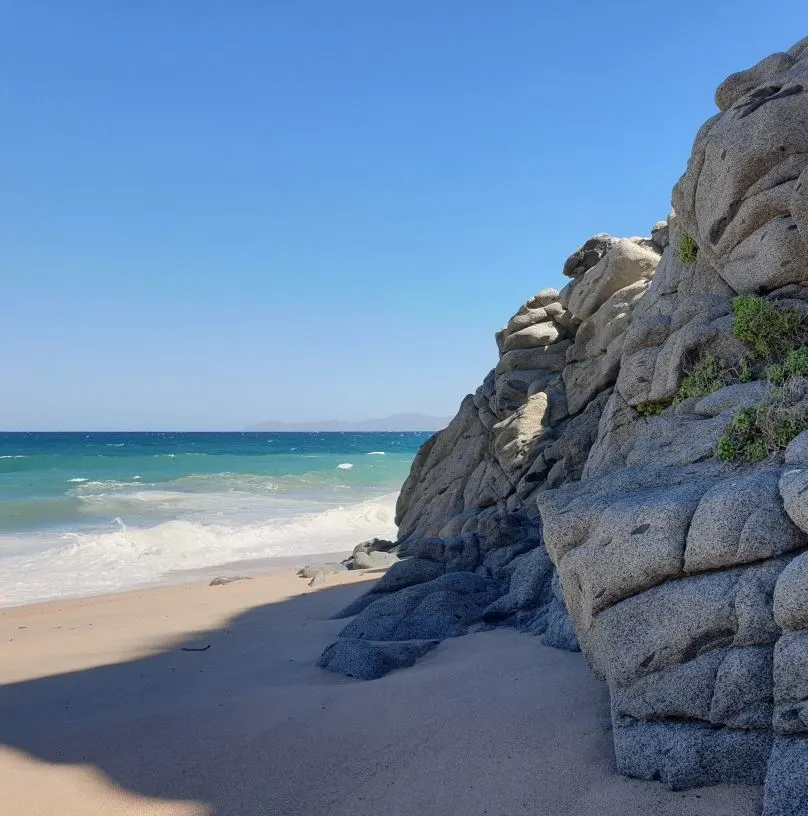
(765, 430)
(770, 332)
(687, 249)
(755, 450)
(745, 370)
(742, 438)
(776, 374)
(649, 409)
(797, 362)
(708, 375)
(726, 450)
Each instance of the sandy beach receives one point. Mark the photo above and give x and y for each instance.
(103, 711)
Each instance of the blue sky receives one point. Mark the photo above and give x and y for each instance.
(215, 213)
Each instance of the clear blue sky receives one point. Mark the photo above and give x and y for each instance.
(215, 213)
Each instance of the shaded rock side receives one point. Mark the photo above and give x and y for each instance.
(469, 527)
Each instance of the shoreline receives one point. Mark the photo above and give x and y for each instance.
(134, 622)
(251, 568)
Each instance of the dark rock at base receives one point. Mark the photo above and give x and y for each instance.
(406, 573)
(687, 755)
(366, 660)
(530, 586)
(444, 607)
(560, 633)
(787, 779)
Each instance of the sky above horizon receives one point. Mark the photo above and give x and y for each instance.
(214, 214)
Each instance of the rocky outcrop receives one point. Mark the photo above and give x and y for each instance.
(577, 494)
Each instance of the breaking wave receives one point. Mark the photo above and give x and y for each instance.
(81, 563)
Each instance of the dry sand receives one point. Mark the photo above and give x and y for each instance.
(102, 712)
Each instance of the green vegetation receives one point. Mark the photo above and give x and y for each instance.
(708, 375)
(776, 374)
(745, 370)
(648, 409)
(755, 433)
(778, 342)
(742, 438)
(687, 249)
(768, 331)
(797, 362)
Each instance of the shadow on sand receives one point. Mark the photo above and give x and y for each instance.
(192, 723)
(494, 723)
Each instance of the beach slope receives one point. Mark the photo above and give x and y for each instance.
(203, 699)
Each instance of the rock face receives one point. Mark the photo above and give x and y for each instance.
(571, 499)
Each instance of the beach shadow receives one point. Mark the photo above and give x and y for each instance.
(202, 720)
(246, 724)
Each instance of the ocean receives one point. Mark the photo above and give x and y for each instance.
(82, 513)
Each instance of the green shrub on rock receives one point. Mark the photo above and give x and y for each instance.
(797, 362)
(687, 249)
(648, 409)
(776, 374)
(755, 433)
(745, 371)
(708, 375)
(770, 332)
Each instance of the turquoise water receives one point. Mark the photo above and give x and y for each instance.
(82, 513)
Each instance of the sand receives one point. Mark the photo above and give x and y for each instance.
(102, 712)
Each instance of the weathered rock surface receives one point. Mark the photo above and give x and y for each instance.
(365, 660)
(552, 504)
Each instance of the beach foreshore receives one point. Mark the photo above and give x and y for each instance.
(199, 699)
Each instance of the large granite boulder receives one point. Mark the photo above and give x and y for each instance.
(578, 494)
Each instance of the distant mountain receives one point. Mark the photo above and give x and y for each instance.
(397, 422)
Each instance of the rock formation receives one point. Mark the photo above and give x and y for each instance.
(593, 490)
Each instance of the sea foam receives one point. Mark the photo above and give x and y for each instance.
(82, 563)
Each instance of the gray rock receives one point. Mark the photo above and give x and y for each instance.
(790, 674)
(374, 560)
(229, 579)
(587, 255)
(732, 398)
(797, 450)
(328, 568)
(406, 573)
(625, 263)
(791, 595)
(735, 197)
(375, 545)
(741, 520)
(793, 487)
(365, 660)
(786, 790)
(559, 632)
(686, 755)
(660, 234)
(535, 336)
(441, 608)
(530, 586)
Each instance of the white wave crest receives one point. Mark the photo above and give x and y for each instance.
(345, 466)
(88, 562)
(377, 453)
(78, 480)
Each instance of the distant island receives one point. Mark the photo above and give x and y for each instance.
(396, 422)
